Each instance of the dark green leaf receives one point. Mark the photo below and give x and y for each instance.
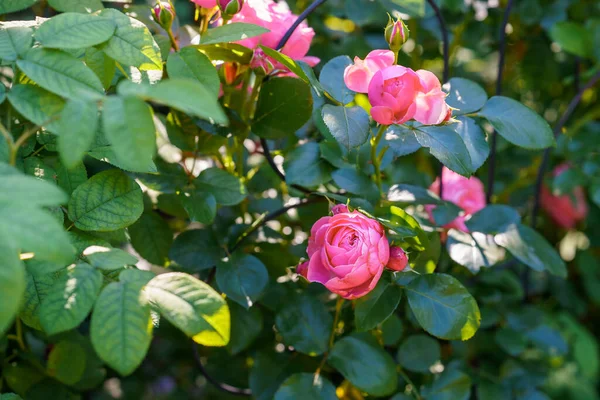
(195, 250)
(464, 95)
(231, 33)
(200, 206)
(452, 384)
(402, 140)
(355, 182)
(365, 365)
(109, 259)
(517, 123)
(304, 166)
(246, 325)
(348, 125)
(151, 238)
(37, 105)
(74, 31)
(284, 106)
(306, 386)
(66, 362)
(36, 289)
(332, 79)
(447, 146)
(375, 307)
(493, 219)
(70, 179)
(474, 139)
(14, 41)
(443, 307)
(419, 353)
(189, 63)
(108, 201)
(226, 188)
(103, 66)
(242, 277)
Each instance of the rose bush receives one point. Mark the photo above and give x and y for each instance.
(215, 199)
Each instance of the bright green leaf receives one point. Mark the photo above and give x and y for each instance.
(12, 286)
(9, 6)
(190, 63)
(82, 6)
(231, 33)
(109, 259)
(14, 41)
(74, 31)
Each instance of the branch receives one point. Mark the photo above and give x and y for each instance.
(297, 23)
(492, 162)
(221, 386)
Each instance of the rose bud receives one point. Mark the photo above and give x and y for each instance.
(230, 72)
(302, 269)
(339, 208)
(230, 7)
(398, 259)
(396, 34)
(163, 14)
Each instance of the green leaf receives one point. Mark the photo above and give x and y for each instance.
(66, 362)
(14, 41)
(74, 31)
(243, 278)
(512, 342)
(391, 330)
(402, 140)
(103, 66)
(121, 327)
(473, 251)
(36, 289)
(572, 37)
(492, 219)
(269, 371)
(418, 353)
(227, 52)
(70, 299)
(400, 221)
(410, 194)
(348, 125)
(9, 6)
(12, 286)
(374, 308)
(447, 146)
(61, 73)
(305, 323)
(76, 130)
(16, 187)
(532, 249)
(517, 123)
(246, 325)
(451, 385)
(306, 386)
(70, 179)
(302, 70)
(10, 396)
(355, 182)
(227, 189)
(365, 365)
(192, 306)
(40, 268)
(151, 238)
(304, 166)
(129, 127)
(464, 95)
(200, 206)
(443, 307)
(109, 259)
(190, 63)
(231, 33)
(284, 106)
(332, 79)
(2, 93)
(37, 105)
(414, 8)
(474, 138)
(184, 94)
(132, 43)
(108, 201)
(195, 250)
(81, 6)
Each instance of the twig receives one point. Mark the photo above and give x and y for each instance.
(298, 21)
(338, 308)
(220, 385)
(275, 168)
(501, 58)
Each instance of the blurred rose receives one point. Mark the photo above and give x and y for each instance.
(206, 3)
(567, 209)
(347, 253)
(467, 193)
(398, 259)
(276, 17)
(358, 75)
(431, 101)
(392, 93)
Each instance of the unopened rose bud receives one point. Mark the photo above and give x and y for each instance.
(230, 72)
(396, 34)
(163, 14)
(339, 208)
(302, 269)
(230, 7)
(261, 62)
(398, 259)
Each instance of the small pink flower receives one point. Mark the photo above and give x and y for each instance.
(467, 193)
(206, 3)
(398, 259)
(358, 75)
(392, 93)
(567, 209)
(339, 208)
(431, 101)
(347, 253)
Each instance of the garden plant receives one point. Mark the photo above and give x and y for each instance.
(343, 199)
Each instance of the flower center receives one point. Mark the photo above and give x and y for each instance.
(393, 86)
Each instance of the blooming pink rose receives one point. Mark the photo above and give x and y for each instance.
(347, 253)
(206, 3)
(467, 193)
(358, 75)
(398, 259)
(431, 101)
(392, 93)
(277, 18)
(567, 209)
(339, 208)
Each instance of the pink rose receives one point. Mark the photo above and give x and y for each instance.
(358, 75)
(302, 269)
(276, 17)
(347, 253)
(206, 3)
(398, 259)
(467, 193)
(431, 101)
(339, 208)
(392, 93)
(567, 209)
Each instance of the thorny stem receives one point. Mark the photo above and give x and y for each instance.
(338, 308)
(374, 157)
